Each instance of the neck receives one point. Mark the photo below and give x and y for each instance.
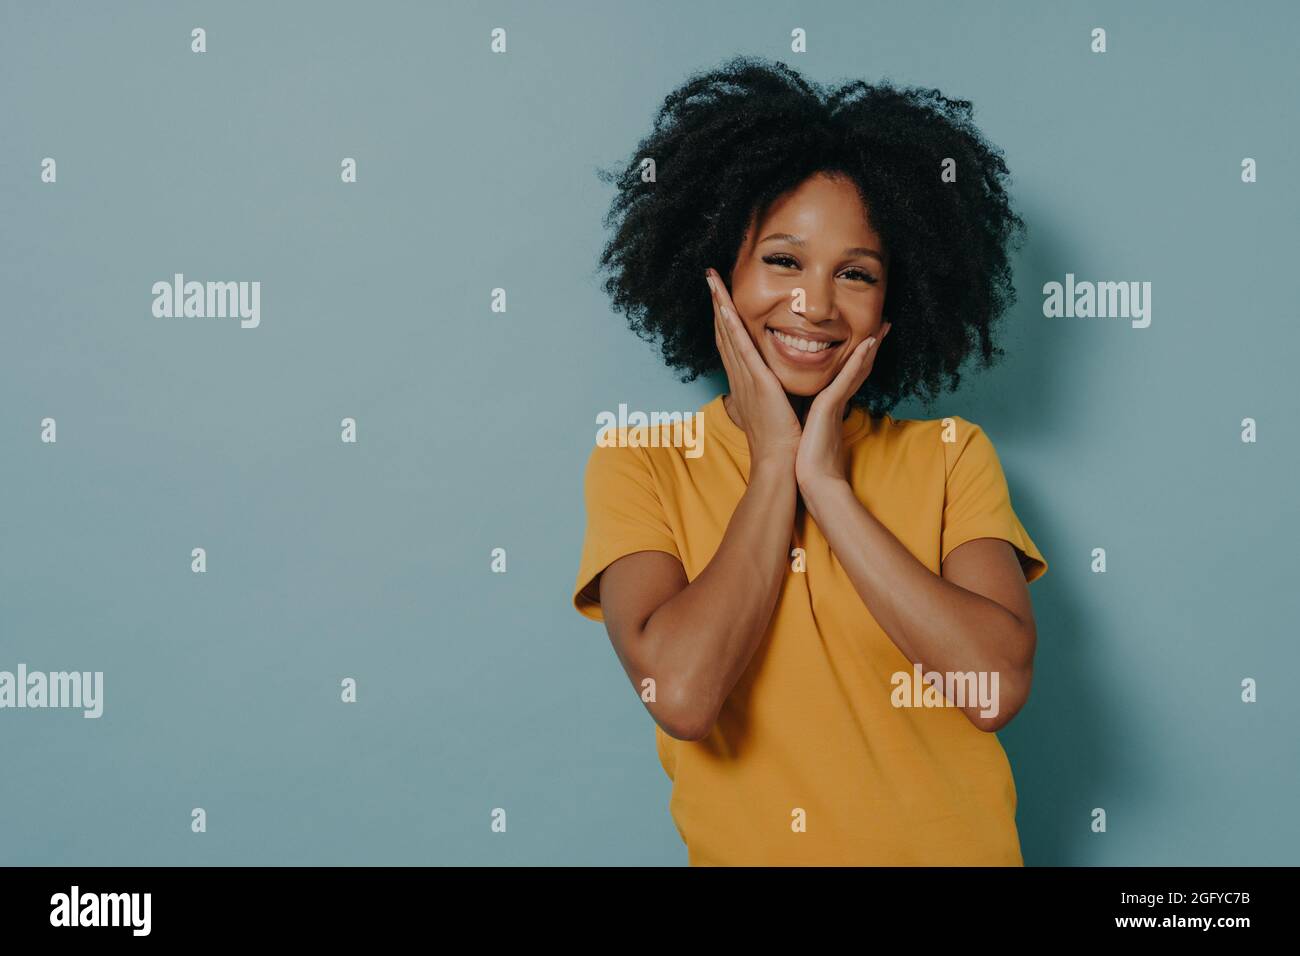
(800, 404)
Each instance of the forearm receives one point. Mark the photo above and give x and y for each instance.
(705, 635)
(936, 623)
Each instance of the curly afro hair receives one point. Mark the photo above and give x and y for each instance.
(730, 141)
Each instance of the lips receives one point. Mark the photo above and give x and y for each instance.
(803, 350)
(803, 343)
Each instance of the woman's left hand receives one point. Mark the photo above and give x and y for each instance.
(820, 459)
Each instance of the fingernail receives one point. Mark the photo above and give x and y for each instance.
(871, 342)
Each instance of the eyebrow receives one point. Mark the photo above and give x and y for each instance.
(854, 251)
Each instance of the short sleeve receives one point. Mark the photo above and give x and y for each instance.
(624, 515)
(977, 503)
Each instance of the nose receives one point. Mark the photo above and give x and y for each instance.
(818, 301)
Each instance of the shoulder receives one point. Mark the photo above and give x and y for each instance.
(929, 432)
(613, 455)
(949, 438)
(626, 461)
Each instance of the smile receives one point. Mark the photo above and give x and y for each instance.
(799, 349)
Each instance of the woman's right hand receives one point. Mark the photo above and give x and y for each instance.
(769, 421)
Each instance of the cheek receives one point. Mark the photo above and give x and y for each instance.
(865, 319)
(760, 295)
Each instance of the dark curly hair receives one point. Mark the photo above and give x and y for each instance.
(730, 141)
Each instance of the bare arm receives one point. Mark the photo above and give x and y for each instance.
(975, 616)
(696, 639)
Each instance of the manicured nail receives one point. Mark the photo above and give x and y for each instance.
(871, 343)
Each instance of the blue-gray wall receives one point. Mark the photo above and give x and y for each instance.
(480, 690)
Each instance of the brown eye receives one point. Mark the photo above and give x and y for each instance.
(779, 259)
(866, 277)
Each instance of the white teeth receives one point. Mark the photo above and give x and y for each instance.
(803, 345)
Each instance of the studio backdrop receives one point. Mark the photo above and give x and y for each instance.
(314, 557)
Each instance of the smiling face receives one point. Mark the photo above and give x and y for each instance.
(815, 240)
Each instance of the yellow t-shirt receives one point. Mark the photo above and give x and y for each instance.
(809, 762)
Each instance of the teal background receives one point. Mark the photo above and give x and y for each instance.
(481, 690)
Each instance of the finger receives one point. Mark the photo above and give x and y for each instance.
(737, 375)
(724, 350)
(850, 376)
(744, 375)
(835, 397)
(865, 364)
(745, 348)
(869, 349)
(869, 362)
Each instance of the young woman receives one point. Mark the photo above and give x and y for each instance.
(826, 612)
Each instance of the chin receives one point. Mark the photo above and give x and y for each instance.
(803, 386)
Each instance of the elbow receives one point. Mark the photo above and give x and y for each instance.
(991, 725)
(1014, 693)
(683, 731)
(687, 717)
(687, 706)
